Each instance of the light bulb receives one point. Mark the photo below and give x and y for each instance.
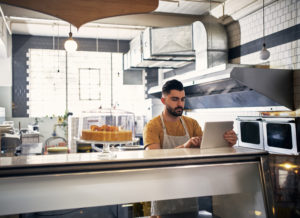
(264, 54)
(70, 44)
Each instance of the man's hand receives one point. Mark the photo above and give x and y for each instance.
(191, 143)
(230, 137)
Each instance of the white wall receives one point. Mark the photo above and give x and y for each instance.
(6, 72)
(5, 55)
(279, 15)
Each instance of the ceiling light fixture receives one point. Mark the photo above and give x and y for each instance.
(70, 43)
(264, 54)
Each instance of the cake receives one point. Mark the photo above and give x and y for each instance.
(106, 133)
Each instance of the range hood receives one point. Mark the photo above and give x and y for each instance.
(227, 86)
(211, 82)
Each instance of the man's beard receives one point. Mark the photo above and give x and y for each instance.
(174, 112)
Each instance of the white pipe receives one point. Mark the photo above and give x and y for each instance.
(8, 29)
(14, 19)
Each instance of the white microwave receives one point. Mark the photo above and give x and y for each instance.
(281, 134)
(250, 132)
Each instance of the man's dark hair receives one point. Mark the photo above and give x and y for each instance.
(171, 85)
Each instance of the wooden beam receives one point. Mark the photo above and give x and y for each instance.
(79, 12)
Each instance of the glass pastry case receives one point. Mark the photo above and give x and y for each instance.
(106, 127)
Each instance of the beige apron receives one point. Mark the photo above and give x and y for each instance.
(173, 141)
(176, 206)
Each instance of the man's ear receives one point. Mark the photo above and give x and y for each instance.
(163, 100)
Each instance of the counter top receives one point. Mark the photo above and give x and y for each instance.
(164, 154)
(78, 162)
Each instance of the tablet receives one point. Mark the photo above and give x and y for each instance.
(213, 134)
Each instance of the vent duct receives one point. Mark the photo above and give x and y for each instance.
(176, 47)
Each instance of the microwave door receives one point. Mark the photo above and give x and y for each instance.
(250, 134)
(280, 137)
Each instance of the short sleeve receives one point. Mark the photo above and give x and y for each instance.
(151, 133)
(197, 131)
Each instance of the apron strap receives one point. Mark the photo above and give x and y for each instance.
(182, 122)
(185, 128)
(162, 121)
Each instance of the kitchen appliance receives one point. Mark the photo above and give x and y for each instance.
(31, 149)
(27, 138)
(250, 130)
(9, 143)
(281, 134)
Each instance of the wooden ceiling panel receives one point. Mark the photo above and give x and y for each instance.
(79, 12)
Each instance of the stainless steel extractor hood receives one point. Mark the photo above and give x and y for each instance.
(227, 86)
(212, 83)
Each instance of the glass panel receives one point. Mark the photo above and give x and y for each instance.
(229, 190)
(279, 135)
(238, 194)
(221, 206)
(250, 132)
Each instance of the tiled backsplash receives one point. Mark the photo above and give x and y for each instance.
(281, 15)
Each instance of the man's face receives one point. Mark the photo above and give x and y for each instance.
(174, 102)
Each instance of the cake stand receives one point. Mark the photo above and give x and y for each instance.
(105, 151)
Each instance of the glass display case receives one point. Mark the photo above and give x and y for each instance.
(221, 182)
(106, 127)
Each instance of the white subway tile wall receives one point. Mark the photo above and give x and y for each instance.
(47, 86)
(279, 15)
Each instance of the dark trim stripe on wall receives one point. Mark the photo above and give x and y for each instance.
(272, 40)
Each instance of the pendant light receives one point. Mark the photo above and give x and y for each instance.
(70, 43)
(264, 54)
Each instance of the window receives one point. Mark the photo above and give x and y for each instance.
(93, 79)
(89, 84)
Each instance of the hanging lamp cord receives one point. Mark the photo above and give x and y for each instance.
(264, 44)
(70, 33)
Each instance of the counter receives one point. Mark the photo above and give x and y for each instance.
(65, 181)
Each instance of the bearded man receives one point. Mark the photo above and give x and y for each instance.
(173, 130)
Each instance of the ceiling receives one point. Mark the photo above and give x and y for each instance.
(168, 13)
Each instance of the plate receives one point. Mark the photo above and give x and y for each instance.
(101, 142)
